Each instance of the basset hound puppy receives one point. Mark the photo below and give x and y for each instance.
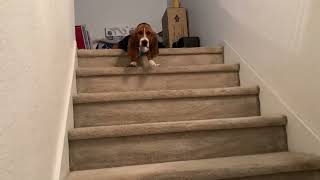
(143, 42)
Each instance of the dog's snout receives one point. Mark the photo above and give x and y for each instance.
(144, 43)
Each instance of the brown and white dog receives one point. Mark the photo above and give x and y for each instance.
(143, 42)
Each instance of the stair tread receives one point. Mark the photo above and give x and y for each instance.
(174, 127)
(83, 98)
(85, 72)
(164, 51)
(218, 168)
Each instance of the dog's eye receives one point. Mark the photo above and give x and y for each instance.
(148, 33)
(140, 32)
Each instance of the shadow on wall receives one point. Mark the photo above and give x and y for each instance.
(286, 68)
(278, 39)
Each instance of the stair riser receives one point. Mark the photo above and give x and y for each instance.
(209, 175)
(136, 150)
(148, 111)
(95, 84)
(312, 175)
(170, 60)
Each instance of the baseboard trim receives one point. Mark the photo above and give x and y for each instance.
(61, 167)
(301, 138)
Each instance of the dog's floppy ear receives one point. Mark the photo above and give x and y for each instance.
(154, 49)
(133, 46)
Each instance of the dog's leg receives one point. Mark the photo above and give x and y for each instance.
(152, 63)
(133, 63)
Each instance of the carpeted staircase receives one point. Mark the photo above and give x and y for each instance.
(188, 119)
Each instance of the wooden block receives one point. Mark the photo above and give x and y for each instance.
(175, 25)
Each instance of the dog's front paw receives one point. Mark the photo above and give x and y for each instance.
(133, 64)
(153, 64)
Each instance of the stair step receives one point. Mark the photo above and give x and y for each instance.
(274, 166)
(174, 127)
(167, 57)
(102, 109)
(93, 80)
(114, 146)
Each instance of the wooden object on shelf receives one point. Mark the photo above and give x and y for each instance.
(175, 25)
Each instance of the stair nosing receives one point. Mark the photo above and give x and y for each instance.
(162, 52)
(84, 98)
(223, 168)
(114, 131)
(87, 72)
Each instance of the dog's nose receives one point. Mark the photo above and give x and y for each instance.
(144, 43)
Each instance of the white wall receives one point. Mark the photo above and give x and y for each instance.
(98, 14)
(36, 55)
(278, 40)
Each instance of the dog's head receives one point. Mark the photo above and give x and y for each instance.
(143, 40)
